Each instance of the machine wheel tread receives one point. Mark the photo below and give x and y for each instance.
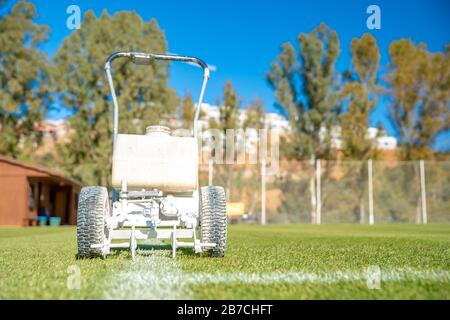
(213, 220)
(92, 206)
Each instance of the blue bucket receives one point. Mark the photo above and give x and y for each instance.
(55, 221)
(42, 220)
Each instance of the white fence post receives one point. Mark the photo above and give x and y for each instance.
(423, 192)
(370, 189)
(318, 193)
(263, 191)
(313, 190)
(210, 172)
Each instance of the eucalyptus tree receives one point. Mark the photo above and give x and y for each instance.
(144, 94)
(25, 81)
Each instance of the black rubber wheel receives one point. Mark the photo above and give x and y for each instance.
(213, 220)
(93, 207)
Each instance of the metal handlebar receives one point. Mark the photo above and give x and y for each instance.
(145, 59)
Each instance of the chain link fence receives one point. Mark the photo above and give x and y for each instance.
(368, 192)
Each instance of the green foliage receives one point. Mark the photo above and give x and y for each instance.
(360, 93)
(255, 115)
(420, 95)
(241, 181)
(229, 110)
(143, 92)
(312, 78)
(24, 81)
(187, 111)
(228, 119)
(303, 81)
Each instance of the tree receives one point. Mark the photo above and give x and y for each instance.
(360, 93)
(251, 181)
(143, 92)
(304, 90)
(228, 110)
(228, 119)
(24, 81)
(305, 93)
(420, 94)
(255, 115)
(187, 111)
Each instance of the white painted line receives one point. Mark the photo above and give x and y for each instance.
(153, 276)
(323, 278)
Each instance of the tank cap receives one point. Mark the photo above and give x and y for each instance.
(157, 130)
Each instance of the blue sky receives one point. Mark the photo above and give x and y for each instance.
(243, 37)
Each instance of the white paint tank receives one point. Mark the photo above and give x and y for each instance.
(156, 160)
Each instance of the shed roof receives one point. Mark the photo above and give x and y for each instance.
(38, 168)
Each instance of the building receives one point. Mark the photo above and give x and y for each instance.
(273, 120)
(276, 122)
(381, 139)
(384, 142)
(55, 129)
(54, 132)
(28, 191)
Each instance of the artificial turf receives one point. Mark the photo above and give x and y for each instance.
(37, 263)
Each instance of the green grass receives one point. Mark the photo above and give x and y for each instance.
(34, 262)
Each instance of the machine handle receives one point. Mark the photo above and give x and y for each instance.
(145, 59)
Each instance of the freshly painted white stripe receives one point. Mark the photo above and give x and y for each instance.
(324, 278)
(153, 275)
